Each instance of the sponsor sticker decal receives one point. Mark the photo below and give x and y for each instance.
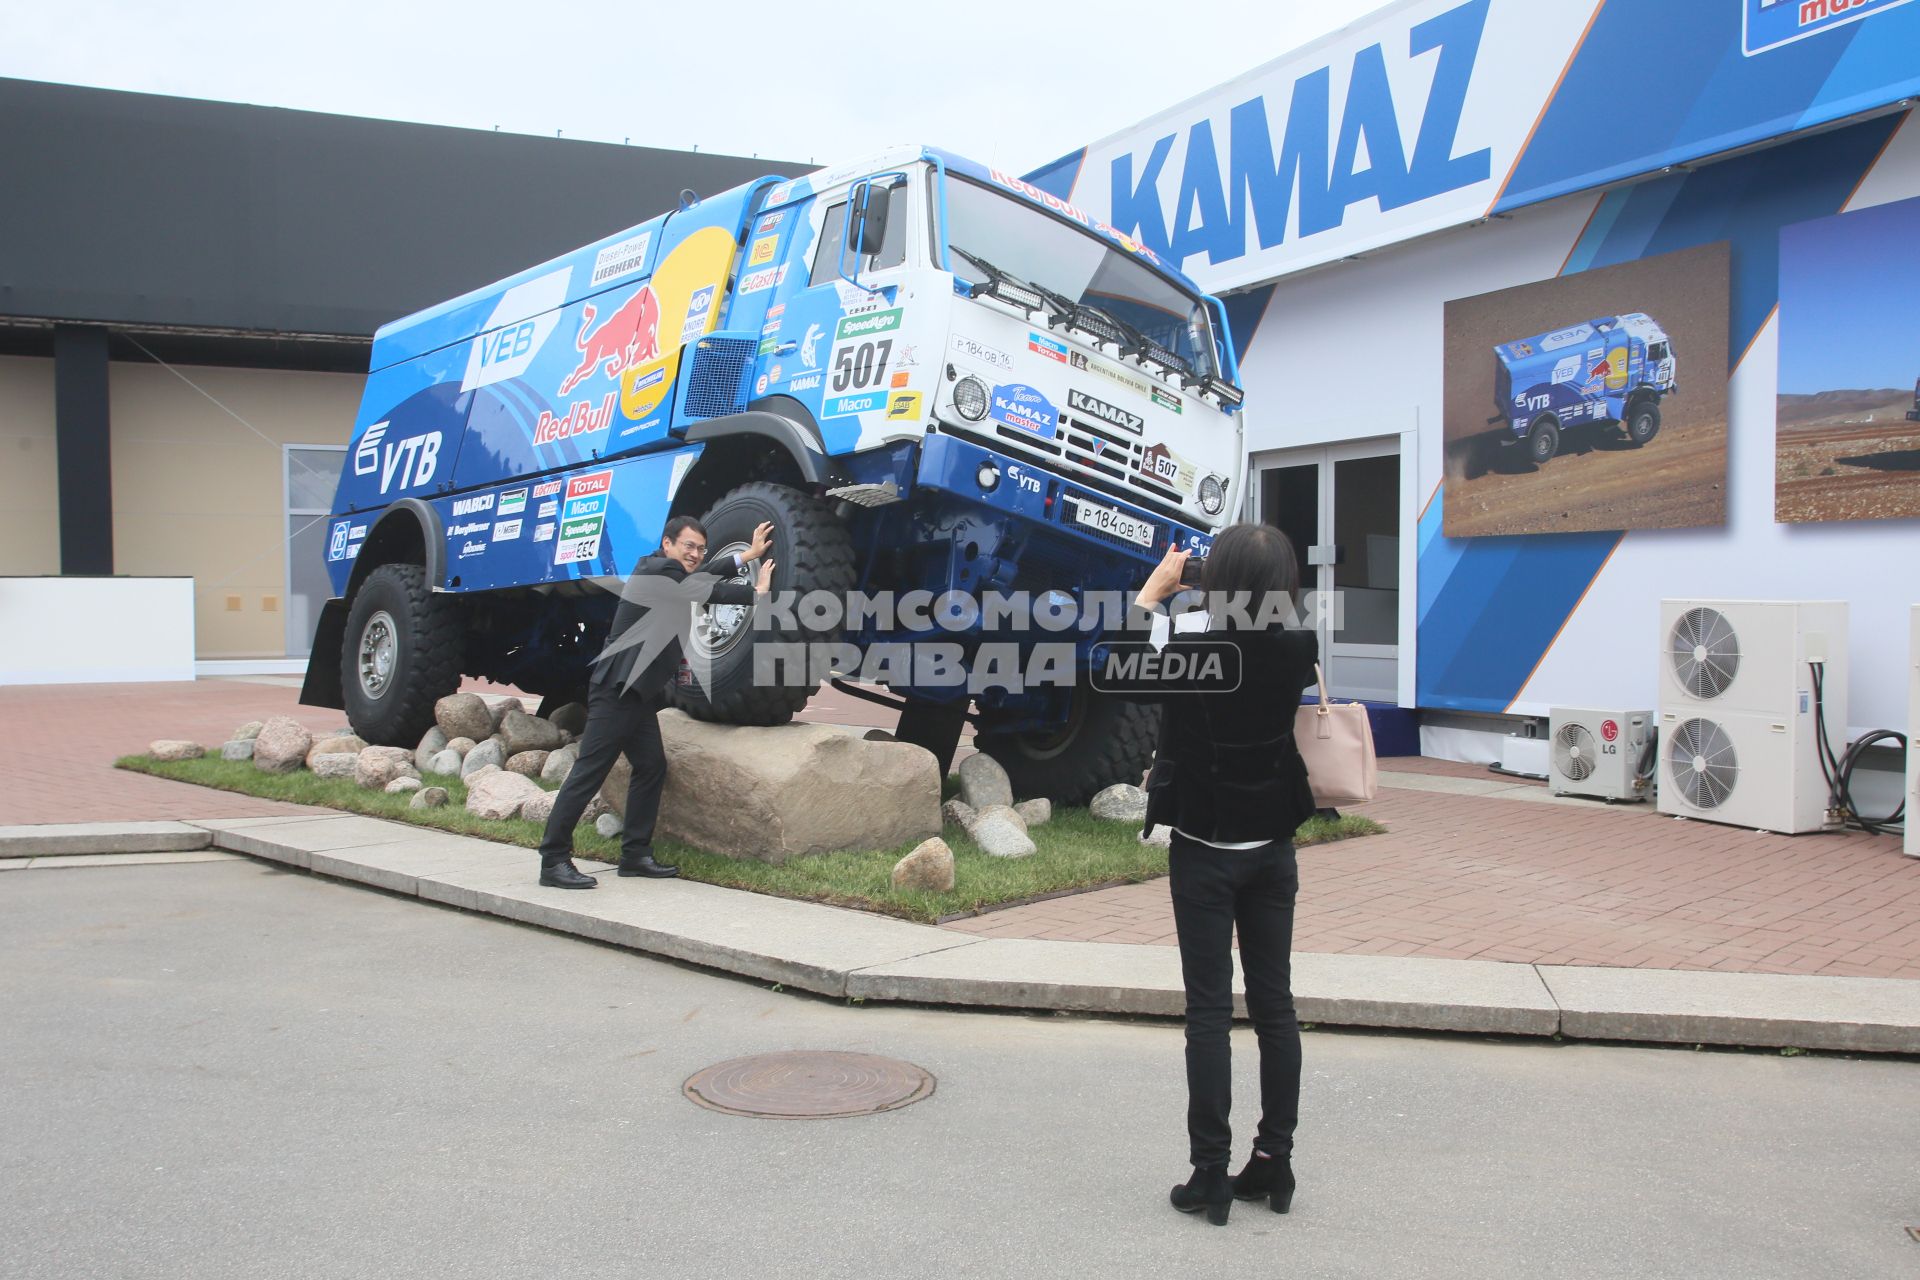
(512, 502)
(506, 530)
(866, 326)
(468, 506)
(472, 549)
(548, 509)
(583, 517)
(582, 420)
(843, 406)
(771, 221)
(903, 406)
(767, 278)
(1041, 345)
(543, 532)
(468, 529)
(623, 259)
(547, 488)
(337, 541)
(699, 311)
(762, 251)
(1019, 405)
(1167, 400)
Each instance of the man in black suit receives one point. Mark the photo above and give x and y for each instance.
(629, 688)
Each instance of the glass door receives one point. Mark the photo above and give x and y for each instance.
(311, 473)
(1340, 505)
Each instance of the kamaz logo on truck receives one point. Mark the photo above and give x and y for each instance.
(1109, 414)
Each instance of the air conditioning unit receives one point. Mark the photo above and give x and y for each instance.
(1597, 753)
(1911, 845)
(1737, 737)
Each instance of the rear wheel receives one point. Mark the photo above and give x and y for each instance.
(1543, 442)
(1104, 740)
(1643, 421)
(402, 653)
(811, 552)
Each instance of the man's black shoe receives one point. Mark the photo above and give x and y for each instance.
(564, 875)
(644, 865)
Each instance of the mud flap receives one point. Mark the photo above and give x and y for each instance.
(322, 685)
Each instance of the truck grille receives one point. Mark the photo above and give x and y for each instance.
(1109, 456)
(716, 386)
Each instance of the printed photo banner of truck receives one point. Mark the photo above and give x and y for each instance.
(1434, 113)
(932, 378)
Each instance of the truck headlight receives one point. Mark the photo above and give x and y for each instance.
(1213, 495)
(970, 398)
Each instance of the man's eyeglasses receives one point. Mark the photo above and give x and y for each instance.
(695, 548)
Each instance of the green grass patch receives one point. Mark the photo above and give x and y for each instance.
(1076, 850)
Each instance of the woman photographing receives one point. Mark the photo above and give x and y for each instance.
(1229, 780)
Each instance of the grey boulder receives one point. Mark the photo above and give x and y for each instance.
(463, 715)
(929, 867)
(445, 763)
(238, 749)
(571, 718)
(402, 785)
(428, 798)
(609, 825)
(559, 764)
(529, 733)
(432, 743)
(339, 764)
(336, 744)
(1035, 813)
(497, 794)
(1121, 802)
(375, 767)
(1000, 836)
(484, 755)
(957, 813)
(983, 783)
(247, 732)
(175, 749)
(538, 808)
(281, 745)
(782, 791)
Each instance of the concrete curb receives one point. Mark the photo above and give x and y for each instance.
(80, 838)
(837, 952)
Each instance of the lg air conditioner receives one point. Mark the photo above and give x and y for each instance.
(1738, 741)
(1598, 753)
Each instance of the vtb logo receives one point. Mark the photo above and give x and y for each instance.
(628, 337)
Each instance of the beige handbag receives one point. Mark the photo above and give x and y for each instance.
(1337, 743)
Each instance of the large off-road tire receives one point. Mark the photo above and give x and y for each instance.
(811, 552)
(1643, 421)
(401, 654)
(1105, 740)
(1543, 442)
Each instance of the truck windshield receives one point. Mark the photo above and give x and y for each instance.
(1034, 247)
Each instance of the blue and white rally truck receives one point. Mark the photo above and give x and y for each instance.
(929, 375)
(1613, 369)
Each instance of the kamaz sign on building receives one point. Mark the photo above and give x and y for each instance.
(1435, 113)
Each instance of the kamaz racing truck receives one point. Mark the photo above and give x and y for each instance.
(1913, 414)
(1612, 370)
(929, 375)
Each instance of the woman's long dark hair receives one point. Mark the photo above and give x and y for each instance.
(1254, 562)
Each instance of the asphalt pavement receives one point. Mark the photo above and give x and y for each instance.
(228, 1069)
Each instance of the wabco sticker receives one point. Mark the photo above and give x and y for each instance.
(1019, 405)
(868, 325)
(512, 502)
(903, 406)
(980, 351)
(506, 530)
(842, 406)
(1112, 415)
(623, 259)
(755, 281)
(762, 251)
(1041, 345)
(467, 506)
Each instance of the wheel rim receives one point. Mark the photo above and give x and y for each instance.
(1542, 447)
(379, 650)
(719, 628)
(1042, 745)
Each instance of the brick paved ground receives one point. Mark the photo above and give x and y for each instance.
(1460, 876)
(60, 742)
(1475, 877)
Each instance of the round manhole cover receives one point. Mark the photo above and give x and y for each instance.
(809, 1085)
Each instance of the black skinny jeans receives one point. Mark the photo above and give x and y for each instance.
(1213, 890)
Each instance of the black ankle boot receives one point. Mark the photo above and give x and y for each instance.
(564, 875)
(1266, 1176)
(642, 864)
(1207, 1189)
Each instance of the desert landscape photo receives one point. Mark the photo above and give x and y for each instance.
(1599, 479)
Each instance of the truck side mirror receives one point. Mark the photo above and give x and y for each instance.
(868, 229)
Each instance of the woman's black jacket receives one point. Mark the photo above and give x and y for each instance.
(1227, 768)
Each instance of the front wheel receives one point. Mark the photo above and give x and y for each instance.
(1542, 443)
(401, 654)
(1643, 422)
(811, 552)
(1104, 740)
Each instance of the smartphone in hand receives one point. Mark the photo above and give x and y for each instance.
(1190, 571)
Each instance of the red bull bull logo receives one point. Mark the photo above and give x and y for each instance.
(628, 337)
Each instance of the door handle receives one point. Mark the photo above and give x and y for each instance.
(1324, 553)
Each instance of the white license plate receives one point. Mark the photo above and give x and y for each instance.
(1118, 523)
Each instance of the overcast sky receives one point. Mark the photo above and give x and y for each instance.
(1013, 83)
